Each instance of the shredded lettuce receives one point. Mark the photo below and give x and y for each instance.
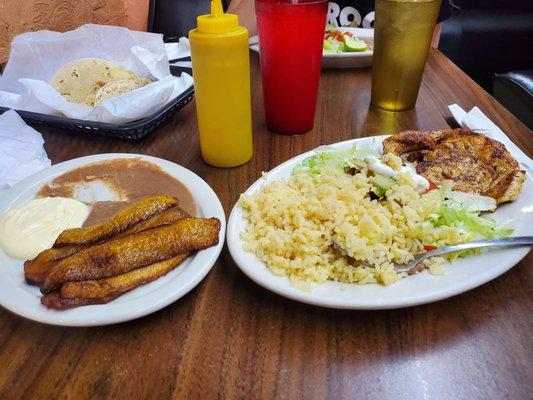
(318, 163)
(327, 158)
(446, 192)
(451, 213)
(471, 222)
(332, 46)
(382, 184)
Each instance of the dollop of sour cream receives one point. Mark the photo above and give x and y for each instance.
(375, 165)
(35, 226)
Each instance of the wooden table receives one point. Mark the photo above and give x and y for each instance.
(229, 338)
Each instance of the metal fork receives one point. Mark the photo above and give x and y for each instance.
(418, 258)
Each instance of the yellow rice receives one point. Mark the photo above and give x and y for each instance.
(292, 224)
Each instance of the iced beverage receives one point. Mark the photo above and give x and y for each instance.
(291, 36)
(402, 34)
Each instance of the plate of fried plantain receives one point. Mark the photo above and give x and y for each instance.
(146, 254)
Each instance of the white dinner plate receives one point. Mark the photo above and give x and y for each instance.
(342, 60)
(24, 300)
(421, 288)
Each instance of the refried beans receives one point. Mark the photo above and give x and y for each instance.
(128, 179)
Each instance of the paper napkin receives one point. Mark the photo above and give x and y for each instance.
(21, 150)
(179, 50)
(479, 122)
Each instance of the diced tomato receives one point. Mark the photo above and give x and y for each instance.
(427, 247)
(431, 187)
(338, 35)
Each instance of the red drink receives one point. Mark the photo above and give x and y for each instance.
(291, 37)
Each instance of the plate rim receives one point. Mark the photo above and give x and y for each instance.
(238, 254)
(207, 258)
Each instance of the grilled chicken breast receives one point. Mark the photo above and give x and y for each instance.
(464, 160)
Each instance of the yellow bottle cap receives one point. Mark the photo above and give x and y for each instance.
(217, 21)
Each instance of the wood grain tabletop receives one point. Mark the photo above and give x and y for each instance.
(231, 339)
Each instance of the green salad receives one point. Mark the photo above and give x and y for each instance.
(337, 41)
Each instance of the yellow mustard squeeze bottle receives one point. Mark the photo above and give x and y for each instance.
(221, 71)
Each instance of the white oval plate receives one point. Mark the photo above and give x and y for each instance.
(341, 60)
(463, 275)
(24, 300)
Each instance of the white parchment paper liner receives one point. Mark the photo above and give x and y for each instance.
(36, 56)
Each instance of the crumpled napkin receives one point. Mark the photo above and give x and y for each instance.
(36, 56)
(178, 50)
(480, 123)
(21, 150)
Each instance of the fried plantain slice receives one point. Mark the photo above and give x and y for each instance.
(167, 217)
(130, 216)
(131, 252)
(54, 301)
(119, 284)
(101, 291)
(35, 270)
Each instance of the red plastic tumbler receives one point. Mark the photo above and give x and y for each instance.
(291, 37)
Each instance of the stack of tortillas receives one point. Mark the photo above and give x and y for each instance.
(92, 80)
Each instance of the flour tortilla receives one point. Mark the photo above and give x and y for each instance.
(79, 81)
(113, 89)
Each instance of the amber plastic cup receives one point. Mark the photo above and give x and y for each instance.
(402, 35)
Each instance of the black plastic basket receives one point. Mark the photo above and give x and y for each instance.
(133, 131)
